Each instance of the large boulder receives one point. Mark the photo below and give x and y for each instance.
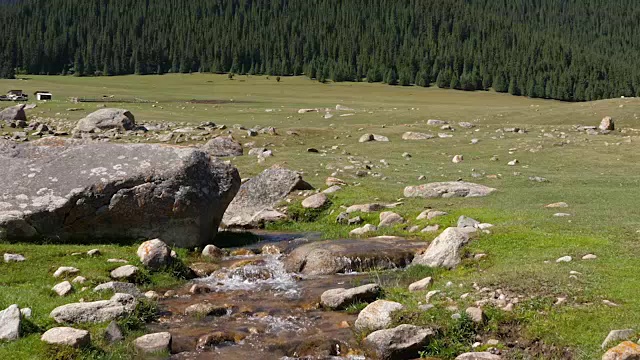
(222, 146)
(400, 343)
(67, 336)
(10, 319)
(444, 251)
(117, 307)
(106, 119)
(448, 190)
(340, 298)
(377, 315)
(74, 190)
(260, 194)
(341, 256)
(14, 113)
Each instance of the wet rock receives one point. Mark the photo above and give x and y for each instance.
(368, 228)
(339, 256)
(215, 338)
(126, 272)
(402, 342)
(153, 343)
(448, 190)
(444, 250)
(65, 271)
(624, 351)
(199, 289)
(154, 254)
(63, 288)
(67, 336)
(119, 287)
(106, 119)
(178, 194)
(617, 335)
(10, 320)
(478, 356)
(421, 284)
(113, 333)
(205, 309)
(13, 258)
(223, 146)
(416, 136)
(337, 299)
(316, 201)
(94, 312)
(212, 252)
(262, 193)
(607, 124)
(377, 315)
(14, 113)
(389, 218)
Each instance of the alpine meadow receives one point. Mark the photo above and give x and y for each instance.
(319, 179)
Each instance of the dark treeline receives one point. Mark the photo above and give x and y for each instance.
(561, 49)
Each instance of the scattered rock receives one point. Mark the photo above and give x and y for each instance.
(607, 124)
(337, 299)
(262, 193)
(564, 259)
(65, 271)
(478, 356)
(448, 190)
(389, 218)
(94, 312)
(421, 284)
(13, 258)
(119, 287)
(93, 252)
(466, 125)
(416, 136)
(331, 190)
(332, 181)
(430, 228)
(106, 119)
(402, 342)
(444, 250)
(467, 222)
(624, 351)
(67, 336)
(212, 252)
(127, 272)
(63, 288)
(476, 314)
(561, 215)
(365, 208)
(223, 146)
(14, 113)
(377, 315)
(434, 122)
(457, 159)
(153, 343)
(10, 320)
(373, 137)
(617, 335)
(316, 201)
(368, 228)
(557, 205)
(154, 254)
(205, 309)
(589, 257)
(152, 295)
(113, 333)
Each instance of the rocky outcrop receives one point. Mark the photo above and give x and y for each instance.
(223, 146)
(95, 312)
(448, 190)
(106, 119)
(14, 113)
(402, 342)
(445, 250)
(340, 256)
(70, 189)
(337, 299)
(261, 194)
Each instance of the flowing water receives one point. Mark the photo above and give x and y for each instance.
(271, 314)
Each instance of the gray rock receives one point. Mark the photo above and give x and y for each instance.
(337, 299)
(64, 271)
(14, 113)
(444, 251)
(10, 320)
(126, 272)
(478, 356)
(340, 256)
(63, 288)
(467, 222)
(153, 343)
(368, 228)
(607, 124)
(421, 284)
(212, 252)
(154, 254)
(113, 333)
(434, 122)
(205, 309)
(389, 218)
(178, 194)
(13, 258)
(617, 335)
(261, 193)
(106, 119)
(416, 136)
(475, 314)
(26, 313)
(430, 228)
(223, 146)
(448, 190)
(67, 336)
(95, 312)
(342, 218)
(119, 287)
(373, 137)
(365, 208)
(356, 221)
(316, 201)
(377, 315)
(466, 125)
(331, 190)
(400, 343)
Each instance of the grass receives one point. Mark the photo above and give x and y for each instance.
(596, 175)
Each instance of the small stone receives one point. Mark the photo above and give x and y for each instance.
(79, 280)
(66, 336)
(557, 205)
(475, 314)
(513, 162)
(431, 228)
(152, 295)
(457, 159)
(316, 201)
(377, 315)
(564, 259)
(431, 294)
(388, 219)
(63, 288)
(153, 343)
(589, 257)
(355, 221)
(368, 228)
(332, 190)
(64, 271)
(561, 215)
(127, 272)
(421, 284)
(205, 309)
(121, 261)
(493, 342)
(213, 252)
(617, 335)
(113, 333)
(26, 313)
(610, 303)
(93, 252)
(13, 258)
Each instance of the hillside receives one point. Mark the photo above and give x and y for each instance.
(569, 50)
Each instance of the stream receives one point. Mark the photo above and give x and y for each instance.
(271, 314)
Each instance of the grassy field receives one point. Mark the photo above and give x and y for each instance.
(596, 175)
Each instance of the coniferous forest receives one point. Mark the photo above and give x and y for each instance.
(562, 49)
